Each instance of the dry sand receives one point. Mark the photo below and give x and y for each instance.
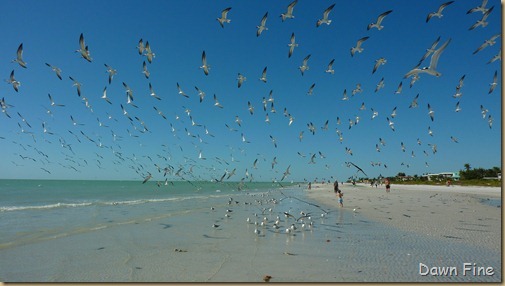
(456, 212)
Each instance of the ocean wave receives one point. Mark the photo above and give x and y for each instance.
(104, 203)
(42, 207)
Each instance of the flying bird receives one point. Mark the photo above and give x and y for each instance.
(181, 92)
(379, 21)
(19, 56)
(482, 8)
(13, 81)
(378, 62)
(304, 65)
(262, 27)
(241, 79)
(83, 49)
(263, 77)
(325, 19)
(439, 11)
(494, 83)
(223, 18)
(149, 53)
(431, 69)
(330, 69)
(111, 72)
(56, 70)
(482, 22)
(292, 44)
(487, 43)
(289, 12)
(204, 66)
(358, 47)
(431, 113)
(359, 169)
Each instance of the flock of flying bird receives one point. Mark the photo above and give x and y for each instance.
(222, 169)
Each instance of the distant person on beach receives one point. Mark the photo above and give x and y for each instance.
(310, 185)
(335, 186)
(388, 186)
(449, 182)
(340, 198)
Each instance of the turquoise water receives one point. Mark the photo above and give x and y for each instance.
(34, 210)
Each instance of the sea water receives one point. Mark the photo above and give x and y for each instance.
(92, 231)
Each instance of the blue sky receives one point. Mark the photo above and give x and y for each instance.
(179, 31)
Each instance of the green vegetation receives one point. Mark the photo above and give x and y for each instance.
(467, 177)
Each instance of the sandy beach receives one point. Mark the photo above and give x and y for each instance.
(290, 234)
(457, 213)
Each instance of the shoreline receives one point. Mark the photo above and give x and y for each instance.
(457, 213)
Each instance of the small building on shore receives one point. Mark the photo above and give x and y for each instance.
(442, 176)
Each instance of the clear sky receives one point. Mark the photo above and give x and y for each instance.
(179, 31)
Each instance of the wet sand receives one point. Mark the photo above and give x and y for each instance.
(463, 214)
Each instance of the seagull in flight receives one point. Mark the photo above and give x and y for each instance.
(391, 124)
(217, 102)
(241, 79)
(379, 62)
(431, 69)
(495, 57)
(149, 53)
(358, 47)
(13, 81)
(263, 77)
(286, 173)
(56, 70)
(83, 49)
(181, 92)
(52, 101)
(325, 19)
(330, 69)
(223, 18)
(104, 95)
(289, 12)
(111, 72)
(431, 113)
(414, 104)
(292, 44)
(77, 85)
(429, 51)
(482, 8)
(204, 66)
(482, 22)
(494, 83)
(147, 178)
(304, 65)
(19, 56)
(262, 26)
(379, 21)
(439, 11)
(487, 43)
